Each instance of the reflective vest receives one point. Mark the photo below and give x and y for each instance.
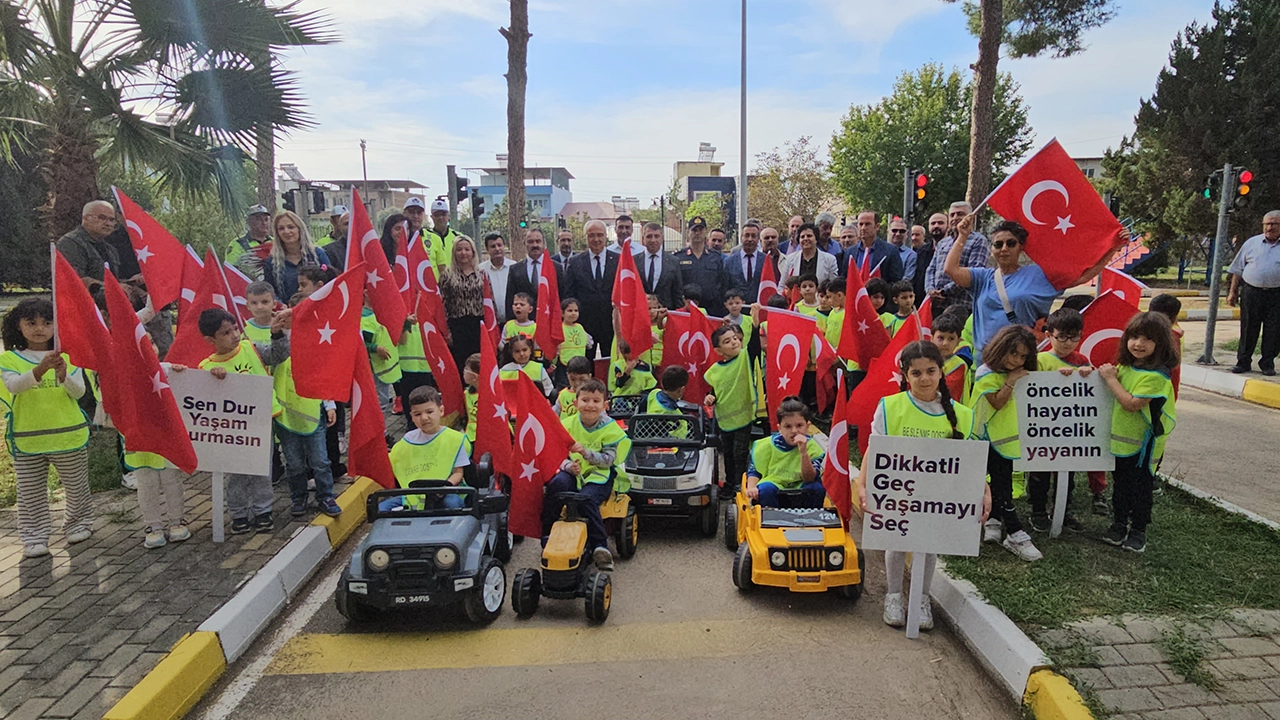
(653, 356)
(574, 344)
(44, 419)
(300, 416)
(608, 435)
(244, 361)
(533, 369)
(513, 328)
(565, 401)
(782, 467)
(257, 333)
(1000, 427)
(734, 386)
(386, 371)
(440, 249)
(1048, 361)
(814, 313)
(413, 356)
(893, 323)
(432, 460)
(835, 324)
(956, 373)
(638, 381)
(472, 397)
(660, 403)
(139, 460)
(904, 418)
(1135, 432)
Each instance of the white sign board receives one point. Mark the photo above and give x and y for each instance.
(1064, 422)
(228, 421)
(924, 495)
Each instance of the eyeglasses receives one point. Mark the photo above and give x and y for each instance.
(898, 232)
(1002, 244)
(1068, 338)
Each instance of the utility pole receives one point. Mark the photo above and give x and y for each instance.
(742, 173)
(364, 167)
(908, 195)
(451, 181)
(1215, 262)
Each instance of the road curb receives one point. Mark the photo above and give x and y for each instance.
(1203, 314)
(187, 672)
(1258, 392)
(1219, 502)
(1050, 696)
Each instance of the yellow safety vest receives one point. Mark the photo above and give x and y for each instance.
(245, 361)
(432, 460)
(513, 328)
(814, 313)
(257, 333)
(386, 371)
(413, 355)
(300, 416)
(1132, 431)
(441, 250)
(533, 369)
(44, 419)
(601, 437)
(139, 460)
(640, 379)
(782, 467)
(734, 385)
(472, 398)
(566, 401)
(999, 427)
(574, 344)
(904, 418)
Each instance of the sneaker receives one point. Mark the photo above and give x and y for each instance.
(603, 558)
(1136, 542)
(179, 532)
(79, 535)
(926, 614)
(264, 523)
(130, 481)
(1239, 370)
(992, 531)
(1269, 372)
(330, 507)
(239, 526)
(155, 539)
(894, 614)
(1020, 544)
(1071, 523)
(298, 508)
(35, 550)
(1100, 506)
(1040, 522)
(1115, 535)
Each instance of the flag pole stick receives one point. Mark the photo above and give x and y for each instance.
(226, 288)
(53, 286)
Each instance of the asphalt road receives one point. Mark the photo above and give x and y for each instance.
(680, 642)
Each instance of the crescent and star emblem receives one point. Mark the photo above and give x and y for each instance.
(1090, 343)
(403, 264)
(531, 425)
(1064, 223)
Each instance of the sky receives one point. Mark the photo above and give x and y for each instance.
(621, 89)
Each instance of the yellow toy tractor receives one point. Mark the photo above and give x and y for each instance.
(567, 570)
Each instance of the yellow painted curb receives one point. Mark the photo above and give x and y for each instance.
(352, 503)
(1051, 697)
(174, 686)
(1263, 393)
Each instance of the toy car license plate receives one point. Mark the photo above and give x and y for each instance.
(411, 599)
(808, 578)
(659, 501)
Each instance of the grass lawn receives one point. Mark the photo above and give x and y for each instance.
(104, 468)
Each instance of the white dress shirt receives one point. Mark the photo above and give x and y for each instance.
(498, 284)
(657, 267)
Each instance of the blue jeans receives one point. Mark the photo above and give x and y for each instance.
(452, 501)
(306, 456)
(813, 496)
(590, 511)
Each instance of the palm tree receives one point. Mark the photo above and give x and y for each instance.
(184, 88)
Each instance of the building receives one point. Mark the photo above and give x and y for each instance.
(546, 189)
(319, 196)
(702, 176)
(1091, 167)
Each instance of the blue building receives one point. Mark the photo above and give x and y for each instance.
(546, 189)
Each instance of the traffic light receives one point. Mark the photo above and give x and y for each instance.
(317, 202)
(1243, 180)
(921, 181)
(524, 224)
(477, 204)
(561, 223)
(460, 191)
(1211, 186)
(288, 202)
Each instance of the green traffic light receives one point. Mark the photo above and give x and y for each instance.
(1208, 193)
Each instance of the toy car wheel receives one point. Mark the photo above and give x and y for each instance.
(628, 533)
(731, 526)
(599, 596)
(709, 519)
(484, 602)
(853, 592)
(353, 610)
(742, 568)
(502, 544)
(526, 590)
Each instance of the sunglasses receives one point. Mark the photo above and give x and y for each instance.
(898, 232)
(1002, 244)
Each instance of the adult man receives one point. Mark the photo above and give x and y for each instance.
(564, 240)
(416, 211)
(923, 244)
(439, 237)
(898, 238)
(86, 248)
(119, 239)
(336, 247)
(977, 251)
(716, 240)
(769, 246)
(589, 278)
(523, 276)
(1255, 282)
(742, 267)
(793, 227)
(872, 251)
(623, 228)
(704, 268)
(826, 222)
(918, 235)
(497, 269)
(848, 238)
(659, 271)
(249, 250)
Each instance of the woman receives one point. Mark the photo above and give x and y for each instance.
(810, 260)
(292, 248)
(462, 289)
(393, 228)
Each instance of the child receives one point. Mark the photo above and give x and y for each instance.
(833, 294)
(733, 393)
(903, 302)
(383, 356)
(300, 430)
(1141, 420)
(249, 497)
(1064, 328)
(787, 460)
(630, 376)
(312, 277)
(520, 324)
(1097, 478)
(160, 492)
(428, 452)
(657, 321)
(576, 340)
(1171, 307)
(955, 364)
(46, 425)
(261, 301)
(734, 302)
(924, 408)
(809, 305)
(1009, 356)
(517, 356)
(878, 292)
(578, 371)
(596, 467)
(666, 399)
(471, 394)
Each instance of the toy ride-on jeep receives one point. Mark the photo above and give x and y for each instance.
(429, 545)
(567, 569)
(673, 468)
(798, 548)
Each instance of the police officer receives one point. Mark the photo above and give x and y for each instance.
(702, 266)
(249, 250)
(439, 237)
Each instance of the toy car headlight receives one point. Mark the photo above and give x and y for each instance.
(835, 558)
(379, 560)
(777, 558)
(445, 558)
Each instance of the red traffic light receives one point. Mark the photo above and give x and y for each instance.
(922, 180)
(1246, 176)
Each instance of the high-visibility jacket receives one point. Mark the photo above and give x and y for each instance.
(441, 248)
(639, 380)
(257, 333)
(609, 434)
(904, 418)
(574, 344)
(413, 356)
(566, 400)
(244, 361)
(300, 416)
(385, 371)
(734, 385)
(1147, 430)
(472, 398)
(44, 419)
(999, 427)
(432, 460)
(513, 328)
(782, 467)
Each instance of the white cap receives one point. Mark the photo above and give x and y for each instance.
(414, 202)
(439, 205)
(338, 210)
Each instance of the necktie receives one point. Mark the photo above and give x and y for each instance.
(533, 272)
(649, 280)
(749, 268)
(597, 268)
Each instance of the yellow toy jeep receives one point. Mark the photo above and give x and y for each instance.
(567, 571)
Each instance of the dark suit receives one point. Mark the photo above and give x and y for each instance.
(924, 256)
(595, 297)
(884, 254)
(670, 285)
(518, 282)
(733, 270)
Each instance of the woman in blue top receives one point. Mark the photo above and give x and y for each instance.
(292, 248)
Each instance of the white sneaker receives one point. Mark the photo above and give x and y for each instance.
(130, 481)
(35, 551)
(926, 614)
(992, 531)
(178, 533)
(603, 558)
(79, 536)
(155, 539)
(1020, 544)
(894, 614)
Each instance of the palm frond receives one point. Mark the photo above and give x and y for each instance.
(19, 43)
(20, 117)
(216, 27)
(230, 102)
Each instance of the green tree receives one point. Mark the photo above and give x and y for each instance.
(923, 124)
(793, 180)
(710, 206)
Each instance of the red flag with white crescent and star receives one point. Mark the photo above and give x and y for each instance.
(326, 340)
(549, 332)
(367, 453)
(192, 276)
(925, 314)
(863, 336)
(493, 421)
(541, 444)
(159, 253)
(238, 283)
(423, 276)
(686, 341)
(1104, 322)
(189, 346)
(1122, 284)
(363, 245)
(835, 466)
(883, 379)
(443, 367)
(768, 282)
(490, 323)
(632, 303)
(82, 333)
(400, 272)
(1071, 232)
(790, 339)
(825, 360)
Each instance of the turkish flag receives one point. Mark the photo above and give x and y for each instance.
(364, 246)
(1104, 322)
(686, 341)
(443, 368)
(423, 278)
(632, 303)
(835, 466)
(400, 272)
(367, 443)
(1070, 229)
(883, 379)
(159, 253)
(768, 282)
(863, 336)
(790, 338)
(550, 330)
(1122, 284)
(493, 421)
(147, 415)
(875, 272)
(189, 345)
(924, 314)
(238, 282)
(192, 276)
(490, 324)
(82, 333)
(542, 444)
(326, 343)
(826, 359)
